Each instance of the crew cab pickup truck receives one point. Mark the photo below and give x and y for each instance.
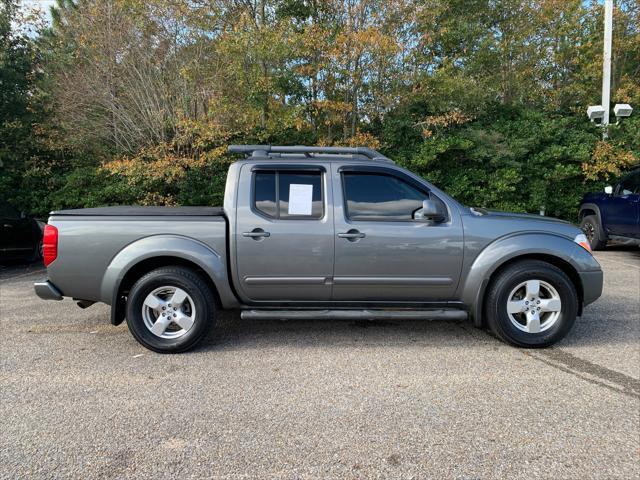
(321, 233)
(613, 214)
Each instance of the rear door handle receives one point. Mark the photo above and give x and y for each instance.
(256, 233)
(352, 234)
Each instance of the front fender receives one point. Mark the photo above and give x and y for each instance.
(596, 208)
(189, 249)
(505, 249)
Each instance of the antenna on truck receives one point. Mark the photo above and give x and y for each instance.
(277, 151)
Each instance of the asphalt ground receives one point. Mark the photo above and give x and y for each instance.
(80, 398)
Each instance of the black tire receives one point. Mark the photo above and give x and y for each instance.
(594, 232)
(200, 294)
(498, 319)
(36, 255)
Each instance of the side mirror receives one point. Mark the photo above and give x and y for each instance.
(608, 189)
(430, 212)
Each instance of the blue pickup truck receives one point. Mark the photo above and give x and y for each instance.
(613, 214)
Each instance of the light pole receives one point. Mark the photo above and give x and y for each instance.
(601, 112)
(606, 64)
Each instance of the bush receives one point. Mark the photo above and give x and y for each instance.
(511, 159)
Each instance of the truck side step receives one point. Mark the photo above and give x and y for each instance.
(330, 314)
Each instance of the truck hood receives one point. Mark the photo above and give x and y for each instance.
(594, 197)
(516, 216)
(495, 224)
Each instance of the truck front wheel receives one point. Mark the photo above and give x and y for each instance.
(594, 232)
(531, 304)
(170, 309)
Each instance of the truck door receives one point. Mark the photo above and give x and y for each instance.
(382, 253)
(284, 233)
(622, 208)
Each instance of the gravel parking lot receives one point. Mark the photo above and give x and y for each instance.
(302, 399)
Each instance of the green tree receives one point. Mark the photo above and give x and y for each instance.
(17, 144)
(123, 101)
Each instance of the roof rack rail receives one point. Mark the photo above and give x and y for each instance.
(276, 151)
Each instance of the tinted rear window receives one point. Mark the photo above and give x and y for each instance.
(272, 190)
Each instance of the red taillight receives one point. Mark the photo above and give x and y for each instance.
(49, 244)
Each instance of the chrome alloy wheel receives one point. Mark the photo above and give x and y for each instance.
(168, 312)
(534, 306)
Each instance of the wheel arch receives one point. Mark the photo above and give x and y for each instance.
(153, 252)
(590, 209)
(145, 266)
(594, 209)
(559, 251)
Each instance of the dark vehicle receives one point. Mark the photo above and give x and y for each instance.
(20, 235)
(613, 214)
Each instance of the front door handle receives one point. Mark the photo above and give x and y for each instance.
(256, 233)
(352, 235)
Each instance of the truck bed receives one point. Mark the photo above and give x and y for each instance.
(94, 240)
(138, 211)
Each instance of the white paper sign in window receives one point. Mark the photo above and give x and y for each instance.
(300, 199)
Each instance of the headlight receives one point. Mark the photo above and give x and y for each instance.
(581, 239)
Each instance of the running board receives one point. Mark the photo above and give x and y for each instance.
(624, 240)
(398, 314)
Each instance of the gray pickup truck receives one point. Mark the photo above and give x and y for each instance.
(326, 233)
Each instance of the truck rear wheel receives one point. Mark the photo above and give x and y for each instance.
(169, 310)
(531, 304)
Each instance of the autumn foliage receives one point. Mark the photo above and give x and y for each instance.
(131, 101)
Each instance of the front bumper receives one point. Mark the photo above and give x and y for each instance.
(47, 290)
(591, 286)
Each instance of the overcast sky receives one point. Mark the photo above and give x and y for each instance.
(42, 4)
